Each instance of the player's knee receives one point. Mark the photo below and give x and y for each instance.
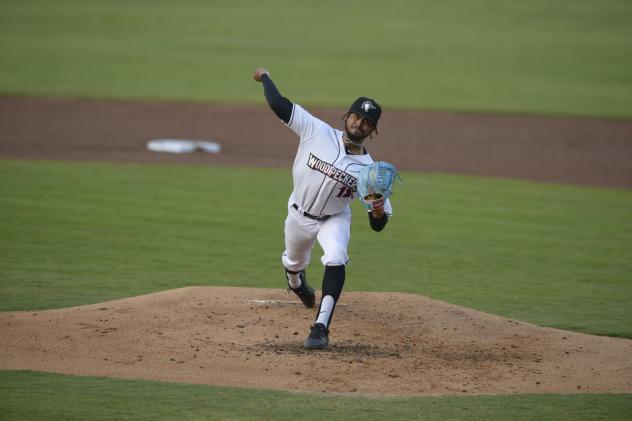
(294, 263)
(337, 256)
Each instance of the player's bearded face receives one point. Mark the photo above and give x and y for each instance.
(358, 127)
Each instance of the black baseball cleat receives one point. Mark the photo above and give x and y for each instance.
(318, 338)
(304, 292)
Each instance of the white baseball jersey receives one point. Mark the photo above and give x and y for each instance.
(325, 176)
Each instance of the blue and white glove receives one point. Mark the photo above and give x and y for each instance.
(375, 183)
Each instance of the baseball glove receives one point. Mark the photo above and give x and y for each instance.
(375, 184)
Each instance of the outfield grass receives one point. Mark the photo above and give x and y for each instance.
(77, 233)
(563, 57)
(69, 398)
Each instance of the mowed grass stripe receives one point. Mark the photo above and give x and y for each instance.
(65, 397)
(564, 57)
(79, 233)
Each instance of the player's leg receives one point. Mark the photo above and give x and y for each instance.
(333, 282)
(300, 236)
(334, 239)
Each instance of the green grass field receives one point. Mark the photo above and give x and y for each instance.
(70, 398)
(564, 57)
(74, 233)
(78, 233)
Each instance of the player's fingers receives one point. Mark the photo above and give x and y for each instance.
(378, 211)
(377, 204)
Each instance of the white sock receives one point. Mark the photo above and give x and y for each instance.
(294, 279)
(326, 307)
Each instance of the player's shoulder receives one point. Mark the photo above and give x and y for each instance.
(301, 116)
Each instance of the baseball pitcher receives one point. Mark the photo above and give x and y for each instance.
(326, 175)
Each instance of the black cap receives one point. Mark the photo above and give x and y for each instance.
(367, 107)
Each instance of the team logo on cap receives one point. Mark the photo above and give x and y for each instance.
(367, 105)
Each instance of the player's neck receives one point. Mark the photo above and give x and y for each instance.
(353, 147)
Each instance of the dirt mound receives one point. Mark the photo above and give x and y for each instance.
(381, 343)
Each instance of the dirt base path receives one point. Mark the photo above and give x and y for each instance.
(410, 345)
(564, 150)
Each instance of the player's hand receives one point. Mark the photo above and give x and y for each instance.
(259, 72)
(376, 205)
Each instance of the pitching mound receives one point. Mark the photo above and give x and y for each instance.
(381, 343)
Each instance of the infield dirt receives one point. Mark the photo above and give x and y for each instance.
(383, 344)
(593, 152)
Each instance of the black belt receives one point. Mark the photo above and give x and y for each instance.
(310, 216)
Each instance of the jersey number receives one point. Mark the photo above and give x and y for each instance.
(344, 192)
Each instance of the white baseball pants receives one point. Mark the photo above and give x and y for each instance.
(302, 232)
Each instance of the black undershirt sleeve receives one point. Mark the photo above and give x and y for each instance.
(281, 106)
(377, 224)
